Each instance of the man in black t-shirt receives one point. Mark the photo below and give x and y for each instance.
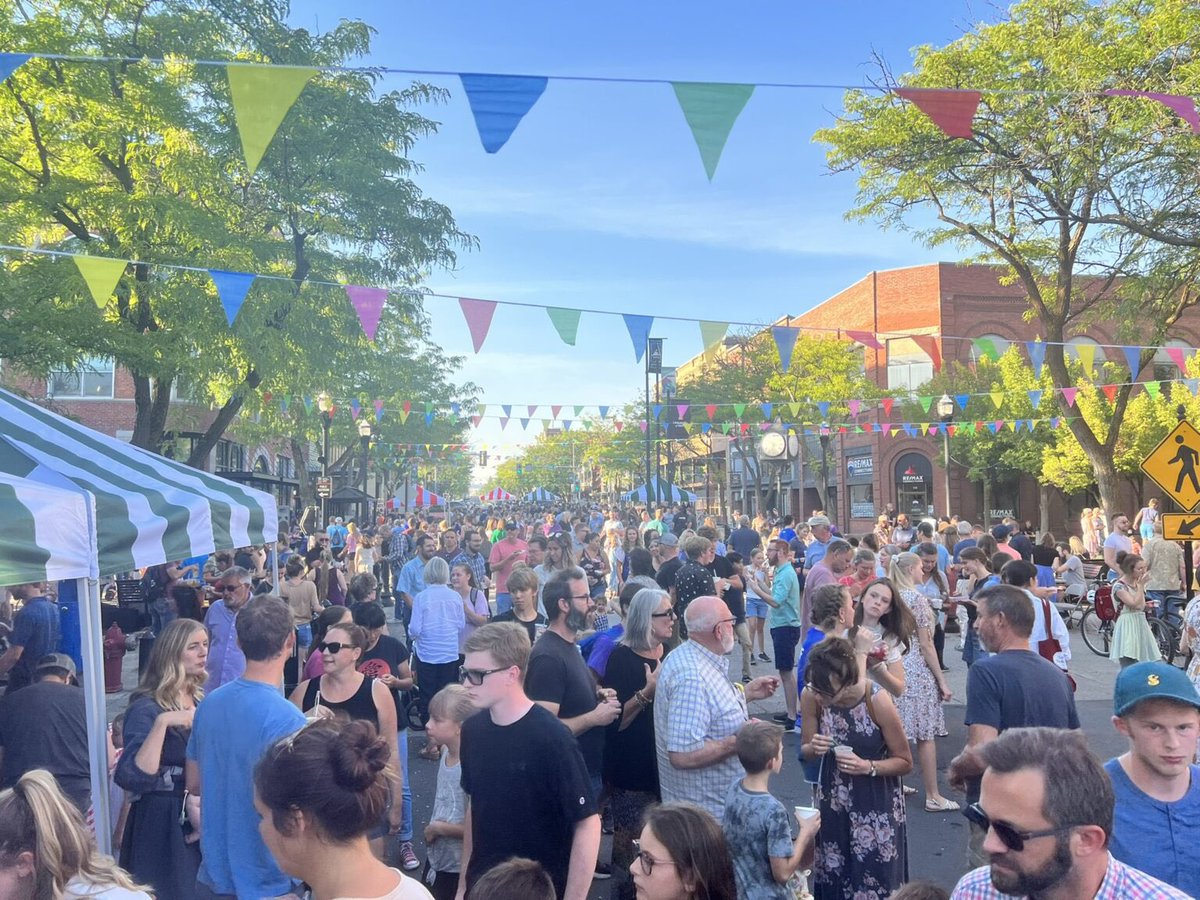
(666, 554)
(528, 790)
(679, 521)
(1013, 688)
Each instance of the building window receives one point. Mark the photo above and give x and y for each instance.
(1164, 367)
(1001, 345)
(862, 501)
(262, 465)
(908, 367)
(286, 467)
(91, 379)
(231, 457)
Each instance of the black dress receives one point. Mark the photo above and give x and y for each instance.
(153, 849)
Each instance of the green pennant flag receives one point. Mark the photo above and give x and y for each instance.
(986, 347)
(711, 335)
(739, 409)
(794, 409)
(1152, 388)
(725, 428)
(710, 110)
(101, 275)
(566, 323)
(925, 402)
(578, 411)
(262, 96)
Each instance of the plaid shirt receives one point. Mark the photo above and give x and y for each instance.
(476, 563)
(695, 702)
(1121, 882)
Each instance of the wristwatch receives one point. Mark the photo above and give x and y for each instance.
(874, 771)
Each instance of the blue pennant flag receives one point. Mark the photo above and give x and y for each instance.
(428, 418)
(1133, 359)
(1035, 397)
(639, 332)
(231, 288)
(507, 410)
(499, 102)
(823, 408)
(566, 424)
(603, 412)
(1037, 355)
(10, 62)
(455, 408)
(767, 409)
(785, 341)
(705, 427)
(962, 400)
(657, 410)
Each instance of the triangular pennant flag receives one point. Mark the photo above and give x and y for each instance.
(1133, 359)
(962, 400)
(603, 410)
(710, 410)
(10, 62)
(639, 332)
(378, 410)
(428, 406)
(854, 406)
(262, 96)
(997, 398)
(368, 305)
(1087, 357)
(711, 335)
(101, 275)
(355, 408)
(767, 409)
(680, 410)
(993, 427)
(986, 347)
(478, 314)
(506, 410)
(950, 110)
(794, 409)
(1055, 422)
(1177, 356)
(1035, 398)
(711, 110)
(618, 426)
(566, 323)
(642, 425)
(823, 408)
(785, 341)
(725, 428)
(554, 411)
(739, 409)
(403, 417)
(866, 338)
(1110, 391)
(887, 428)
(308, 404)
(1037, 356)
(428, 418)
(951, 430)
(578, 411)
(475, 420)
(1153, 388)
(1184, 107)
(929, 346)
(499, 102)
(887, 403)
(503, 423)
(657, 411)
(407, 406)
(524, 424)
(530, 410)
(925, 402)
(1069, 395)
(455, 408)
(1193, 385)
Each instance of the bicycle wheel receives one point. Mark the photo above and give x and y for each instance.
(1167, 638)
(1095, 633)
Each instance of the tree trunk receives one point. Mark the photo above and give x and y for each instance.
(225, 416)
(152, 402)
(1107, 482)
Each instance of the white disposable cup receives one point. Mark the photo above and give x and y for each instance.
(806, 812)
(843, 750)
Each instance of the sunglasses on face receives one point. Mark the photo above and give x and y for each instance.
(669, 614)
(476, 676)
(1011, 838)
(332, 647)
(227, 588)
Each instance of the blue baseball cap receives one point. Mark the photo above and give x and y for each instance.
(1149, 681)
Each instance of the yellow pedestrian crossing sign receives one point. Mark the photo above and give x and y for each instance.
(1174, 465)
(1181, 526)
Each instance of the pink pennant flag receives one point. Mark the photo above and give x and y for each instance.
(618, 426)
(887, 427)
(865, 338)
(1069, 395)
(682, 409)
(710, 410)
(532, 410)
(475, 420)
(642, 425)
(368, 304)
(407, 406)
(478, 314)
(555, 410)
(1184, 107)
(1177, 356)
(950, 110)
(854, 407)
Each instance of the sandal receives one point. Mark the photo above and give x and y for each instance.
(909, 791)
(944, 806)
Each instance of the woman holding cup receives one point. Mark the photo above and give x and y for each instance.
(851, 726)
(882, 614)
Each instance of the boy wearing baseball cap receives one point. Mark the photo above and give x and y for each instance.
(1156, 823)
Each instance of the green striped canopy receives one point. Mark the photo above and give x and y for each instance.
(149, 509)
(45, 532)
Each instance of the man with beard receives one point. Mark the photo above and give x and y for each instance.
(1012, 688)
(559, 680)
(698, 711)
(1047, 807)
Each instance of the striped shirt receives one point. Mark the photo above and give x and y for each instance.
(1121, 882)
(695, 702)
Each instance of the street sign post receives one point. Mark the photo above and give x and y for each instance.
(1174, 465)
(324, 487)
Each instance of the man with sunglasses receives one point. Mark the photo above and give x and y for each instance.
(226, 661)
(1046, 808)
(528, 790)
(1157, 819)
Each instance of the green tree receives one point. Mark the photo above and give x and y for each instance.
(142, 161)
(1063, 187)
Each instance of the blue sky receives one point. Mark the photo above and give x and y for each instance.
(599, 200)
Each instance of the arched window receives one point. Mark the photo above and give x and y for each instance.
(1165, 368)
(262, 465)
(980, 348)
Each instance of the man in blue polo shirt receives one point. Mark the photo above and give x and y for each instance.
(1156, 823)
(35, 634)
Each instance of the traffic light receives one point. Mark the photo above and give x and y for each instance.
(520, 469)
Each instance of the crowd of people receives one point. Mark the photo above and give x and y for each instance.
(593, 670)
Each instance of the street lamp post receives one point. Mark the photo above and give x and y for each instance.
(364, 434)
(945, 409)
(324, 404)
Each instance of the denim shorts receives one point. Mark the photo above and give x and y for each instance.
(756, 608)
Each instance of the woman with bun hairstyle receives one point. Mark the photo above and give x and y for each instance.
(320, 792)
(852, 727)
(158, 722)
(47, 852)
(345, 694)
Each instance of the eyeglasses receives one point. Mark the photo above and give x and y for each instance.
(1011, 838)
(476, 676)
(585, 597)
(669, 614)
(226, 588)
(647, 861)
(332, 647)
(723, 622)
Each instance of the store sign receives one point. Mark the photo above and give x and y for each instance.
(911, 476)
(860, 466)
(865, 510)
(996, 514)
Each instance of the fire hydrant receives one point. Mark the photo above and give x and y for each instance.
(114, 653)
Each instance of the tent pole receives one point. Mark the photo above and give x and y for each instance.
(92, 645)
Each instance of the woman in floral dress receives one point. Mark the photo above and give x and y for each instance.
(862, 847)
(925, 685)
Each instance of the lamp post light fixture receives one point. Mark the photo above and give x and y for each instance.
(324, 404)
(364, 434)
(945, 410)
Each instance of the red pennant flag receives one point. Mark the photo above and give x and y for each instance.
(478, 314)
(888, 403)
(1110, 391)
(950, 110)
(475, 420)
(865, 338)
(951, 430)
(618, 426)
(929, 345)
(408, 406)
(711, 409)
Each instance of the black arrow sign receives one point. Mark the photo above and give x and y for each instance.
(1186, 528)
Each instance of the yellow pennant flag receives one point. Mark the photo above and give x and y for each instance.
(1087, 357)
(101, 275)
(997, 398)
(262, 96)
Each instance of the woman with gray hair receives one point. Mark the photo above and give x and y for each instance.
(630, 763)
(437, 620)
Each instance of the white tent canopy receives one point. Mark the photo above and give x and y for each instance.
(46, 532)
(659, 492)
(539, 495)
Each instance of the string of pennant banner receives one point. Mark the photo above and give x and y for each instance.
(102, 275)
(263, 93)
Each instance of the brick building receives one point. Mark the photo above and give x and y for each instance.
(869, 471)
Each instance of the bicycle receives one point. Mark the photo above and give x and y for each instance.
(1097, 624)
